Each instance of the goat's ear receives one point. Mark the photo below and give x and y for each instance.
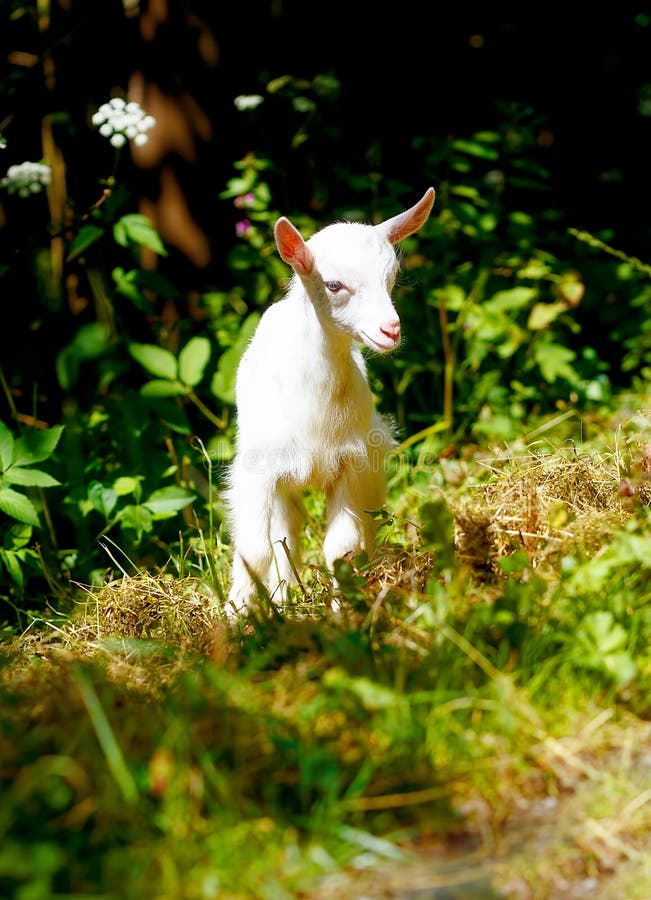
(293, 248)
(409, 221)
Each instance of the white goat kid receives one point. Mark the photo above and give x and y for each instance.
(305, 409)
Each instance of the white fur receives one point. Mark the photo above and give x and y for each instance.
(305, 409)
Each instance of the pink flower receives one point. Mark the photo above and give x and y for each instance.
(244, 200)
(242, 227)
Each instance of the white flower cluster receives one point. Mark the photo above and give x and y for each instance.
(121, 122)
(27, 178)
(248, 101)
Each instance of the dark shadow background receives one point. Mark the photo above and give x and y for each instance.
(412, 69)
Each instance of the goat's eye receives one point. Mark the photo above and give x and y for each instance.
(333, 286)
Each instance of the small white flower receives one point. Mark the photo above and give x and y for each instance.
(248, 101)
(120, 122)
(27, 178)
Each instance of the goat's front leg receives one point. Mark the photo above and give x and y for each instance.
(346, 532)
(251, 502)
(286, 517)
(351, 528)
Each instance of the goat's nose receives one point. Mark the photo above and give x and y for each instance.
(391, 329)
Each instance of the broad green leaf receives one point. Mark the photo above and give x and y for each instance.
(475, 148)
(543, 314)
(29, 477)
(156, 360)
(621, 666)
(168, 500)
(454, 297)
(6, 446)
(159, 388)
(103, 499)
(90, 341)
(18, 536)
(600, 629)
(12, 565)
(193, 360)
(18, 506)
(602, 642)
(223, 382)
(488, 222)
(36, 445)
(135, 229)
(171, 412)
(126, 285)
(126, 484)
(133, 283)
(303, 104)
(136, 518)
(87, 236)
(513, 299)
(554, 361)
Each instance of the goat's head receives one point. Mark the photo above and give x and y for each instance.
(349, 269)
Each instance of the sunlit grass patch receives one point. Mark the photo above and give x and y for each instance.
(472, 685)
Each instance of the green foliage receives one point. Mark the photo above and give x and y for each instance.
(17, 459)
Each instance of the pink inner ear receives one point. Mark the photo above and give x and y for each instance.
(406, 223)
(292, 247)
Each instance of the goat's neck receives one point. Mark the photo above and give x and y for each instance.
(329, 342)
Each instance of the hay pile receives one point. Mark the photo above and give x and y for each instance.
(547, 506)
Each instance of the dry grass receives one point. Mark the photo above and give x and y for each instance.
(546, 506)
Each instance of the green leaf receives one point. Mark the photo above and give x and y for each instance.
(86, 237)
(193, 360)
(453, 296)
(475, 148)
(554, 361)
(126, 484)
(223, 381)
(602, 643)
(513, 299)
(103, 499)
(135, 229)
(12, 566)
(6, 446)
(156, 360)
(29, 477)
(18, 506)
(168, 500)
(136, 518)
(90, 341)
(134, 282)
(159, 388)
(36, 445)
(543, 314)
(18, 536)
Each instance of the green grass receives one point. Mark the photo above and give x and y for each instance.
(495, 658)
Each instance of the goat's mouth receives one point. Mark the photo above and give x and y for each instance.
(384, 346)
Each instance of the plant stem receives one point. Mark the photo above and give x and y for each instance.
(208, 413)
